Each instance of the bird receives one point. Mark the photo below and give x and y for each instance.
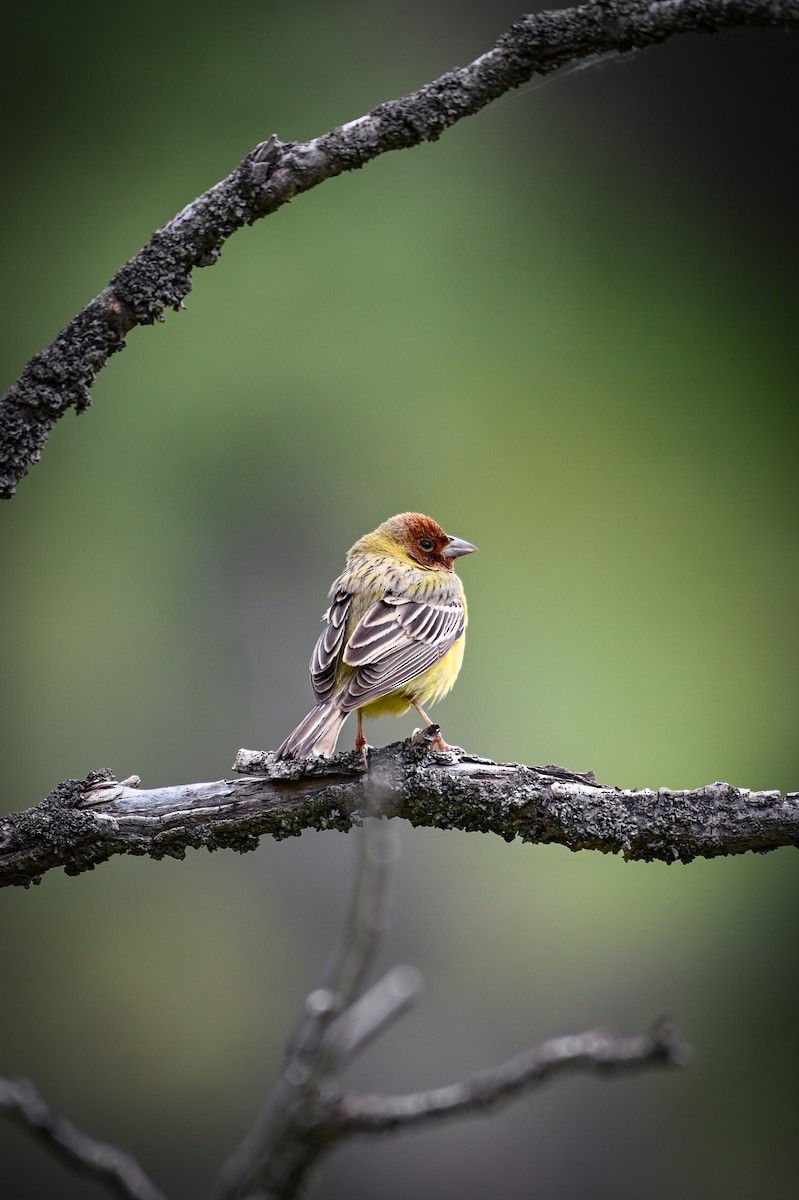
(393, 635)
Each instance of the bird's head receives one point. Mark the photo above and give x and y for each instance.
(422, 539)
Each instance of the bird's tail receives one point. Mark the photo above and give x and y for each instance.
(316, 734)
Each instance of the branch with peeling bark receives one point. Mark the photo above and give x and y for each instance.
(159, 276)
(84, 822)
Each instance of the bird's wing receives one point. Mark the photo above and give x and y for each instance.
(397, 639)
(327, 650)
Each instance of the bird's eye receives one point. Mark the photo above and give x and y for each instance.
(426, 543)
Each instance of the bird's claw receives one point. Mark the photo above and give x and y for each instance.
(430, 735)
(362, 747)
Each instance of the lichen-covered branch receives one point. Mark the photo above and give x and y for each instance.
(159, 276)
(84, 822)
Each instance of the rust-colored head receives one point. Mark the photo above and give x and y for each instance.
(424, 540)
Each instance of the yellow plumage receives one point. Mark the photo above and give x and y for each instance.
(394, 632)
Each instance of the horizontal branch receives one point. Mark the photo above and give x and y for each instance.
(105, 1162)
(596, 1051)
(84, 822)
(158, 278)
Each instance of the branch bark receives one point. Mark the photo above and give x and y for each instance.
(159, 276)
(84, 822)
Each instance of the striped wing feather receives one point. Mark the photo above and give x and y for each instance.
(396, 640)
(327, 650)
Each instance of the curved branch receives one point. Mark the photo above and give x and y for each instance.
(84, 822)
(105, 1162)
(159, 276)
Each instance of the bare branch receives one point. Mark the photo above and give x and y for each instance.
(596, 1051)
(84, 822)
(378, 1008)
(105, 1162)
(326, 1117)
(159, 276)
(352, 962)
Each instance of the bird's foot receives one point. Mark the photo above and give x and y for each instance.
(431, 734)
(362, 747)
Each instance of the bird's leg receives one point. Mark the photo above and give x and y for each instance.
(438, 739)
(360, 740)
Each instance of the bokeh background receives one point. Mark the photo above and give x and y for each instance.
(568, 331)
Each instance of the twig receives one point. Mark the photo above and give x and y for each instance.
(86, 821)
(597, 1051)
(159, 276)
(383, 1004)
(107, 1163)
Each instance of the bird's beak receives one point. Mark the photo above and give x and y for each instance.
(457, 547)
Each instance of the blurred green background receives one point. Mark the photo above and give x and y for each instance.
(567, 331)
